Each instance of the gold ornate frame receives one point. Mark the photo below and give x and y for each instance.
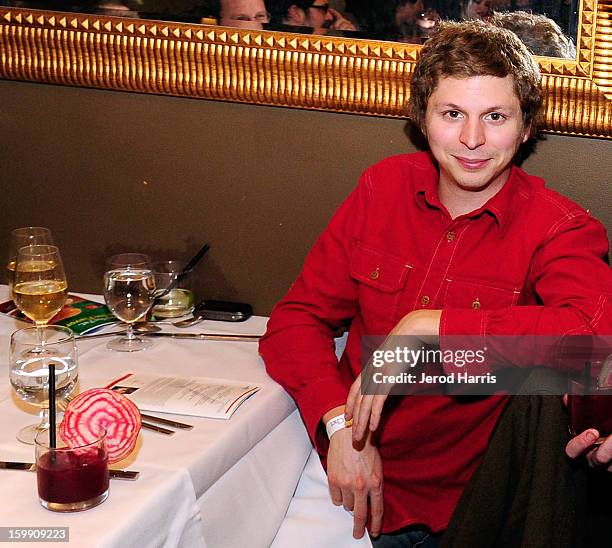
(274, 68)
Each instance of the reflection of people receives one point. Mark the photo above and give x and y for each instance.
(315, 14)
(245, 14)
(412, 22)
(416, 250)
(477, 9)
(539, 33)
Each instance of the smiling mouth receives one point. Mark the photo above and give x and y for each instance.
(469, 163)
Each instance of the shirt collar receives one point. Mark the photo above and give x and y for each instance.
(503, 206)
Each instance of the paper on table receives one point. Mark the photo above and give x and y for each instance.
(81, 315)
(197, 396)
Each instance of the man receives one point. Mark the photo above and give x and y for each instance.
(244, 14)
(477, 9)
(455, 241)
(315, 14)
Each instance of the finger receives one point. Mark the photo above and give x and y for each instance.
(565, 400)
(352, 397)
(335, 493)
(360, 516)
(603, 454)
(363, 417)
(356, 410)
(348, 499)
(377, 509)
(377, 407)
(579, 444)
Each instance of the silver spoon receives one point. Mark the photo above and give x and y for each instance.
(198, 316)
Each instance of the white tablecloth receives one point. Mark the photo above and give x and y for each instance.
(225, 483)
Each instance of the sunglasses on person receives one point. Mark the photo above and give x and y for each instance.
(321, 7)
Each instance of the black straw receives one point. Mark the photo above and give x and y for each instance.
(194, 261)
(52, 440)
(586, 381)
(190, 266)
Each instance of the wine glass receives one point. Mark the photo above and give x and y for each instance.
(39, 286)
(21, 237)
(129, 292)
(29, 370)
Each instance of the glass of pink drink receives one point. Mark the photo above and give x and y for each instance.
(71, 479)
(591, 406)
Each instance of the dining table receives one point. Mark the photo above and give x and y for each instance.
(224, 483)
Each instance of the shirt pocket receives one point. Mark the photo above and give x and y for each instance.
(460, 293)
(381, 278)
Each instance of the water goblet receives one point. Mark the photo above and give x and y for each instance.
(129, 292)
(29, 370)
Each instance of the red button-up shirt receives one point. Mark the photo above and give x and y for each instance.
(533, 261)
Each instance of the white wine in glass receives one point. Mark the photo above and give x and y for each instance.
(39, 287)
(129, 292)
(21, 237)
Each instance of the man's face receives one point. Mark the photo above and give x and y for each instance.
(479, 9)
(474, 127)
(243, 13)
(316, 16)
(408, 12)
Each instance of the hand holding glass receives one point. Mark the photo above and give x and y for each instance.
(590, 400)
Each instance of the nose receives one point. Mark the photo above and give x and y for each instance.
(472, 134)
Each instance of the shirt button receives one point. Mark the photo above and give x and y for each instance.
(476, 304)
(450, 235)
(425, 300)
(374, 274)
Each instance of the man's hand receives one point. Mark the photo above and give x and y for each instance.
(596, 455)
(340, 22)
(365, 406)
(354, 472)
(584, 444)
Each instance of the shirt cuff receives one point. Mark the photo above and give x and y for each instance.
(314, 401)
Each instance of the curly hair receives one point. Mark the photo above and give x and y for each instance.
(474, 48)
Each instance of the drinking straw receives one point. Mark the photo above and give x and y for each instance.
(190, 266)
(586, 380)
(52, 440)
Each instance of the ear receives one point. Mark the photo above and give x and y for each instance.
(295, 15)
(527, 130)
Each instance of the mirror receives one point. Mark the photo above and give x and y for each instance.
(159, 46)
(548, 27)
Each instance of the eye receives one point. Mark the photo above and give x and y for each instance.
(452, 114)
(495, 117)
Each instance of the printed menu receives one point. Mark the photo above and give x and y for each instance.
(196, 396)
(80, 315)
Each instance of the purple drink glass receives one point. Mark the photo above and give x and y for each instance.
(71, 479)
(590, 410)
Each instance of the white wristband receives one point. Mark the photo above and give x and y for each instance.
(336, 423)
